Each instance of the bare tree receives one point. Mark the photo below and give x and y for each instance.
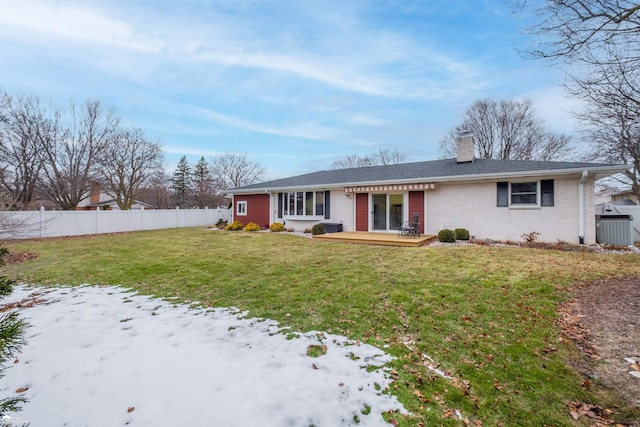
(613, 129)
(20, 164)
(600, 37)
(384, 156)
(583, 31)
(507, 129)
(126, 163)
(13, 223)
(156, 191)
(600, 40)
(68, 151)
(233, 170)
(352, 161)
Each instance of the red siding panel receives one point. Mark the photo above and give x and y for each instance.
(257, 209)
(362, 212)
(416, 204)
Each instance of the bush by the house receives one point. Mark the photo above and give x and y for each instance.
(446, 235)
(277, 227)
(234, 226)
(318, 229)
(252, 226)
(531, 237)
(462, 234)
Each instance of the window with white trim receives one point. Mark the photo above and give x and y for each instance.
(525, 194)
(302, 203)
(241, 208)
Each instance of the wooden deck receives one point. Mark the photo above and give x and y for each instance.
(388, 239)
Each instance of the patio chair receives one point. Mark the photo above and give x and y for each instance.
(412, 227)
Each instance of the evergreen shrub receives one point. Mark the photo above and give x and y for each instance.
(318, 229)
(447, 236)
(462, 234)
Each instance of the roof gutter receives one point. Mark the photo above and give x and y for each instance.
(583, 178)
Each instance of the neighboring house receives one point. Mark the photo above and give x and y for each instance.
(111, 204)
(495, 199)
(616, 197)
(98, 200)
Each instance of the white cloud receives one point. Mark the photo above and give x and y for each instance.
(555, 107)
(308, 130)
(355, 62)
(80, 24)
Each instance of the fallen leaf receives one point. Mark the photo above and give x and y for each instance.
(131, 409)
(341, 385)
(22, 389)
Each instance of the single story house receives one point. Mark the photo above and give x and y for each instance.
(495, 199)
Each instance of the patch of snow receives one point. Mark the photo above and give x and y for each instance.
(106, 356)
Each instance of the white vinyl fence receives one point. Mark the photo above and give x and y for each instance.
(633, 210)
(75, 223)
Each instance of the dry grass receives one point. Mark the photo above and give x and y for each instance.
(485, 315)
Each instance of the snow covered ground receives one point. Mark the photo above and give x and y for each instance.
(99, 356)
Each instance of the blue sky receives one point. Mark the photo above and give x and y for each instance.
(295, 84)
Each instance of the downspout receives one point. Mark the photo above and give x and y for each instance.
(583, 178)
(272, 214)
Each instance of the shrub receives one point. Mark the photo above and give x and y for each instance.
(446, 235)
(252, 226)
(462, 234)
(6, 286)
(531, 237)
(277, 227)
(318, 229)
(234, 226)
(3, 253)
(221, 224)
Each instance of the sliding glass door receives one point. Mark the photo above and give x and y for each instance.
(387, 211)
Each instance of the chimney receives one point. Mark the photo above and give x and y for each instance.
(465, 147)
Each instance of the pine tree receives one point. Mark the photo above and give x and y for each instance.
(12, 330)
(182, 182)
(203, 184)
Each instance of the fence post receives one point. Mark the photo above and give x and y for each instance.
(97, 220)
(41, 220)
(141, 216)
(177, 215)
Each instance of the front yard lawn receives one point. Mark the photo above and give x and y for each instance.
(473, 329)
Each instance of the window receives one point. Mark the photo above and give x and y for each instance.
(525, 194)
(299, 203)
(546, 187)
(302, 203)
(319, 202)
(241, 208)
(308, 203)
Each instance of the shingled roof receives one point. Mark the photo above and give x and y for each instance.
(431, 171)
